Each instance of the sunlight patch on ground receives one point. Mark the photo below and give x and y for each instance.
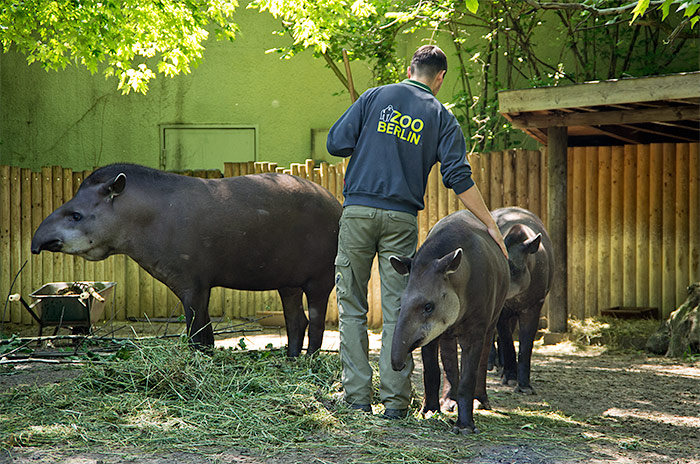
(567, 348)
(675, 370)
(655, 416)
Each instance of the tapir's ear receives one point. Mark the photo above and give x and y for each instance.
(401, 264)
(533, 244)
(115, 186)
(450, 262)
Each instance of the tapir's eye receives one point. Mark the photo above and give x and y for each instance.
(428, 308)
(76, 216)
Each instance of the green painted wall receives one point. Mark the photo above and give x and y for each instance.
(78, 120)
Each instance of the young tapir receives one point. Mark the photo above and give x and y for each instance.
(457, 284)
(531, 261)
(256, 232)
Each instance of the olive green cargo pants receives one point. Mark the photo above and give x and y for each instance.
(364, 232)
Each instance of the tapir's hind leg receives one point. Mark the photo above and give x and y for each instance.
(318, 305)
(199, 329)
(294, 319)
(480, 392)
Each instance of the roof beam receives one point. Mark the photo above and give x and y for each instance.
(530, 121)
(616, 91)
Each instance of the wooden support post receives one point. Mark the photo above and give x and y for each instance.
(556, 204)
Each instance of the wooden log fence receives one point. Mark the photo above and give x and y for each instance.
(632, 217)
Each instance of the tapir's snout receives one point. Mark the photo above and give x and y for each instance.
(400, 350)
(54, 245)
(46, 238)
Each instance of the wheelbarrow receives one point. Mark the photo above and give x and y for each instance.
(74, 305)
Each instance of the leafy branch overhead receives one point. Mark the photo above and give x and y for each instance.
(129, 39)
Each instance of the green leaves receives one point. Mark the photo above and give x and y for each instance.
(123, 38)
(688, 7)
(368, 29)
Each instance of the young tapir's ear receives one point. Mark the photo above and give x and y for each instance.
(533, 244)
(450, 262)
(401, 264)
(115, 186)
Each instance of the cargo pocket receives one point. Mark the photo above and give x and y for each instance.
(342, 274)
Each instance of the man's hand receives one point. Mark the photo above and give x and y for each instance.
(498, 238)
(472, 199)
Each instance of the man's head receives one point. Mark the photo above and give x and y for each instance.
(428, 65)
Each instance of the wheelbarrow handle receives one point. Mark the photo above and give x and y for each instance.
(18, 297)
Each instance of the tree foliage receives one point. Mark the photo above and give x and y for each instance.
(497, 45)
(123, 38)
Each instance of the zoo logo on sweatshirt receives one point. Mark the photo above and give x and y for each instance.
(403, 126)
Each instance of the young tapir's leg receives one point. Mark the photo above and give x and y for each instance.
(199, 329)
(294, 319)
(431, 377)
(318, 304)
(450, 363)
(505, 345)
(469, 364)
(529, 321)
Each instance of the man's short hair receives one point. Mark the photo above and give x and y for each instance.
(428, 60)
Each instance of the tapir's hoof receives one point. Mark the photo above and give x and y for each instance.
(482, 404)
(468, 430)
(510, 382)
(448, 405)
(525, 390)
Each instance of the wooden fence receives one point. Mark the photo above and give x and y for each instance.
(633, 226)
(600, 180)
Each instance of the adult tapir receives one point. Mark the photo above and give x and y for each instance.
(457, 284)
(531, 261)
(256, 232)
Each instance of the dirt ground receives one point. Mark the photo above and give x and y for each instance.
(618, 408)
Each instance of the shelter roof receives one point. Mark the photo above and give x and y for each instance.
(613, 112)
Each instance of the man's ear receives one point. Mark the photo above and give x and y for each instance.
(114, 187)
(401, 264)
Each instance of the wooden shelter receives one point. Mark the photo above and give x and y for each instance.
(654, 112)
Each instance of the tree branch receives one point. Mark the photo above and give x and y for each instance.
(336, 70)
(583, 6)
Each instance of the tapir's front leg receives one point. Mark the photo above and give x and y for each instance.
(529, 321)
(431, 377)
(450, 363)
(471, 354)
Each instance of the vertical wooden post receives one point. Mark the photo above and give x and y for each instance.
(576, 232)
(694, 211)
(556, 205)
(604, 227)
(591, 232)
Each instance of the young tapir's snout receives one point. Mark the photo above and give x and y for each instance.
(428, 306)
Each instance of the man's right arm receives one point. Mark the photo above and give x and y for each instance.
(343, 136)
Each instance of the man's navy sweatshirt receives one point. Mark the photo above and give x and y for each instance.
(395, 134)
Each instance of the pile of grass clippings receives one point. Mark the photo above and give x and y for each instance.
(616, 334)
(158, 395)
(162, 392)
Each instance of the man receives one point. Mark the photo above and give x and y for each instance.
(395, 134)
